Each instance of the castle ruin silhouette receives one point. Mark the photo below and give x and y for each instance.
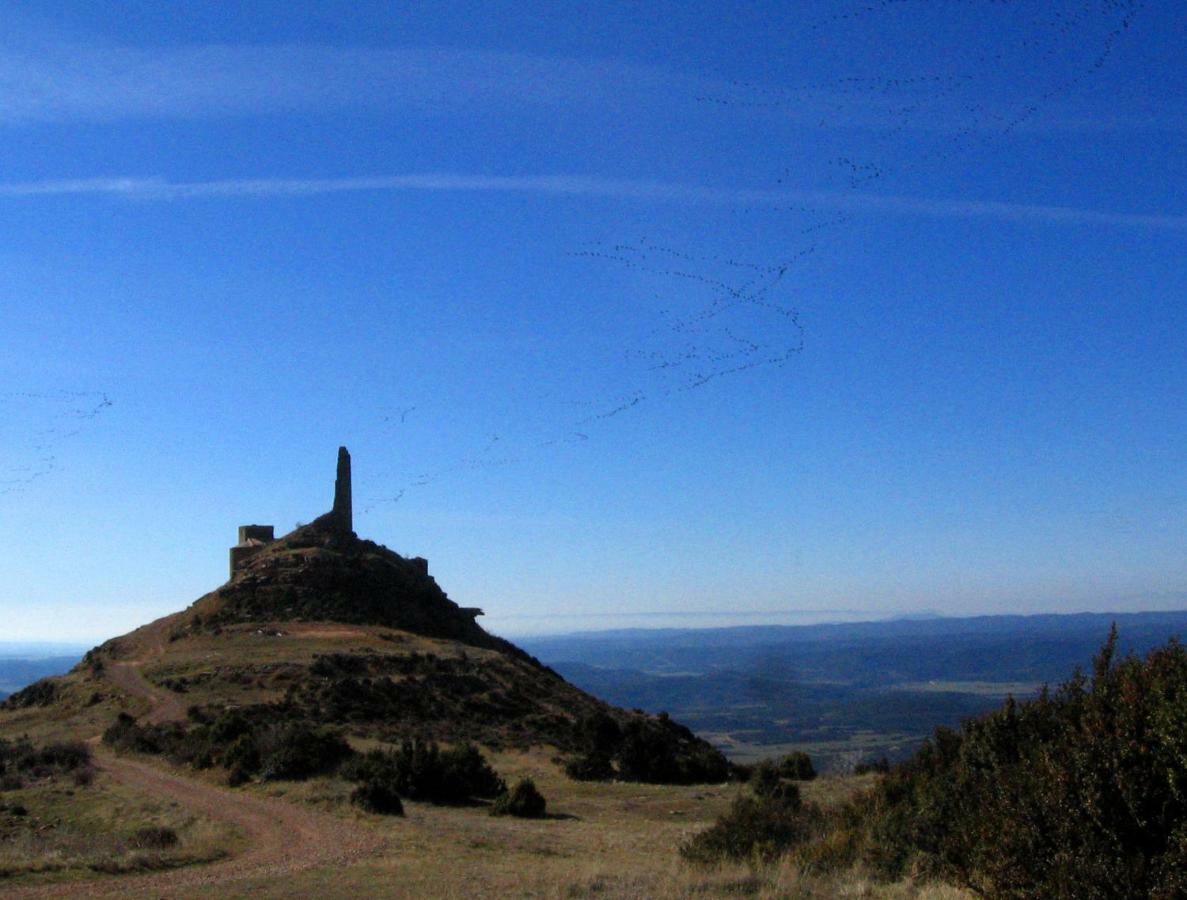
(254, 538)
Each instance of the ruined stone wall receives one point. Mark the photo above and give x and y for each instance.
(263, 533)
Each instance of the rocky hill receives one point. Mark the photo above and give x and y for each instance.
(320, 573)
(321, 629)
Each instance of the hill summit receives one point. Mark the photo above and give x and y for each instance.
(324, 572)
(321, 629)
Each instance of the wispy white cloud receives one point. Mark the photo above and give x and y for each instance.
(93, 83)
(160, 189)
(87, 83)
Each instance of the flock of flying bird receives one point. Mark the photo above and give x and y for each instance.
(57, 416)
(726, 315)
(721, 314)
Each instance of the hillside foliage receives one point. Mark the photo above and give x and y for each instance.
(654, 750)
(1081, 792)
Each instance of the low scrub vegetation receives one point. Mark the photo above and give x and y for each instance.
(269, 750)
(253, 747)
(654, 750)
(420, 770)
(39, 693)
(377, 796)
(1081, 792)
(758, 828)
(523, 800)
(21, 763)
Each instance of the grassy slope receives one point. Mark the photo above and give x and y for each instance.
(70, 831)
(231, 649)
(605, 839)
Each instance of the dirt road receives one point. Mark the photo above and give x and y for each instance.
(164, 705)
(283, 838)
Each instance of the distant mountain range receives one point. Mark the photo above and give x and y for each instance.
(840, 691)
(16, 672)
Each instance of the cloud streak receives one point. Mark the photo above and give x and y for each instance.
(96, 83)
(88, 83)
(589, 187)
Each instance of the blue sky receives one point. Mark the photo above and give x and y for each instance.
(630, 314)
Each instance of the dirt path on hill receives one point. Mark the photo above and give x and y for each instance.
(283, 838)
(163, 704)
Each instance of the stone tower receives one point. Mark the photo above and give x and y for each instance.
(343, 512)
(252, 539)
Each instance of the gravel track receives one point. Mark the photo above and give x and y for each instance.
(283, 838)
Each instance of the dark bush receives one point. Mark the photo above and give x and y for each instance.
(1080, 793)
(64, 757)
(39, 693)
(659, 751)
(420, 770)
(465, 766)
(880, 765)
(742, 772)
(754, 829)
(331, 665)
(648, 749)
(126, 735)
(590, 767)
(377, 797)
(241, 759)
(523, 801)
(797, 766)
(20, 760)
(228, 726)
(767, 782)
(295, 752)
(599, 733)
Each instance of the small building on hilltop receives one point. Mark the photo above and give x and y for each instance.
(252, 539)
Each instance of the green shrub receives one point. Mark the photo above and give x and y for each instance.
(1079, 793)
(797, 766)
(592, 766)
(20, 761)
(659, 751)
(465, 766)
(649, 749)
(767, 781)
(39, 693)
(523, 801)
(420, 770)
(756, 829)
(126, 735)
(295, 752)
(377, 796)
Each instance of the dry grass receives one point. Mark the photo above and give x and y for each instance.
(71, 832)
(601, 840)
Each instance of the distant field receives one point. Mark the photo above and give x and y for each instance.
(844, 692)
(1002, 689)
